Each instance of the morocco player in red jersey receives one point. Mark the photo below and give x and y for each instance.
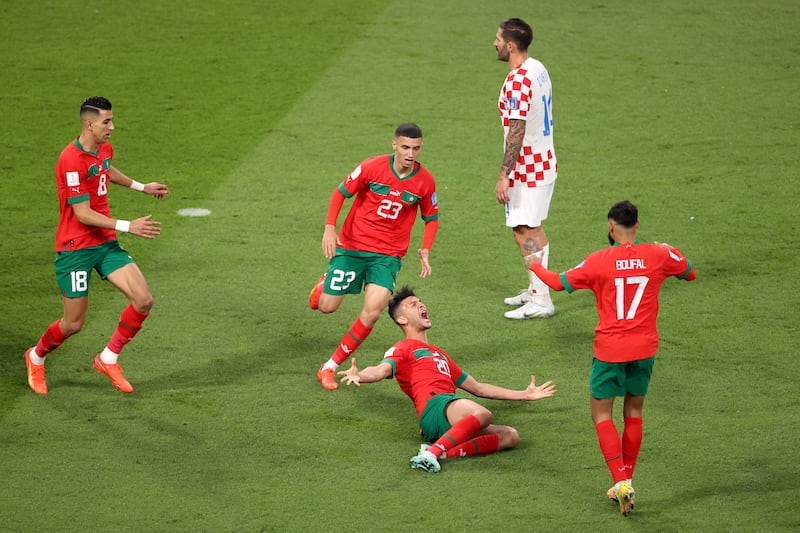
(86, 241)
(388, 191)
(456, 427)
(626, 280)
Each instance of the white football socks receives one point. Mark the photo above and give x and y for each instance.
(540, 291)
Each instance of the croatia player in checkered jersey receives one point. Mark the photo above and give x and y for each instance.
(528, 172)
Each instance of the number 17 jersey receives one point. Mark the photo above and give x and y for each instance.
(626, 279)
(385, 206)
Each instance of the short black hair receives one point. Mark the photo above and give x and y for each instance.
(518, 32)
(624, 213)
(94, 104)
(400, 294)
(409, 129)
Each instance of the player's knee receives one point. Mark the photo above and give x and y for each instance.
(509, 438)
(484, 416)
(143, 304)
(71, 327)
(327, 306)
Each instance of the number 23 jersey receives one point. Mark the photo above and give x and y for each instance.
(385, 206)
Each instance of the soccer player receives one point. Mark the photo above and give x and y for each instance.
(626, 280)
(528, 171)
(86, 240)
(366, 254)
(457, 427)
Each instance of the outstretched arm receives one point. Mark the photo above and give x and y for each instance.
(143, 227)
(691, 275)
(371, 374)
(487, 390)
(159, 190)
(550, 278)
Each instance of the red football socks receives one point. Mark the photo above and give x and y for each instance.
(351, 341)
(478, 446)
(459, 433)
(631, 442)
(611, 446)
(52, 338)
(130, 322)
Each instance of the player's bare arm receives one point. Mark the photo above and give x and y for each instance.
(143, 227)
(516, 133)
(494, 392)
(329, 241)
(158, 190)
(371, 374)
(424, 254)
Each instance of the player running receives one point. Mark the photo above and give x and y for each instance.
(366, 254)
(86, 240)
(626, 280)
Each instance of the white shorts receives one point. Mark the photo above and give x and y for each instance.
(528, 206)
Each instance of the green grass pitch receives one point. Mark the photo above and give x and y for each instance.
(256, 110)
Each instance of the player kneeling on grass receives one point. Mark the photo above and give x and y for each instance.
(456, 427)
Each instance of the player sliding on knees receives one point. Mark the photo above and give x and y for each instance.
(455, 426)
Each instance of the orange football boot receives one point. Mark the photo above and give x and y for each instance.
(114, 372)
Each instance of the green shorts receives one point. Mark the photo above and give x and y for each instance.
(433, 422)
(74, 269)
(609, 380)
(349, 271)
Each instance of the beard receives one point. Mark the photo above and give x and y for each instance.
(610, 239)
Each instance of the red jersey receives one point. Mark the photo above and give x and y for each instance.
(385, 208)
(423, 371)
(82, 176)
(626, 279)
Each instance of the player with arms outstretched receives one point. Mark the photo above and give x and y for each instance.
(389, 190)
(86, 240)
(626, 280)
(457, 427)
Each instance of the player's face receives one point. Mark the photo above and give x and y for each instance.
(502, 46)
(416, 313)
(101, 125)
(406, 151)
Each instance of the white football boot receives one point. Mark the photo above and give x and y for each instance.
(530, 310)
(522, 298)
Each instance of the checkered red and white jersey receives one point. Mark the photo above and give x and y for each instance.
(527, 94)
